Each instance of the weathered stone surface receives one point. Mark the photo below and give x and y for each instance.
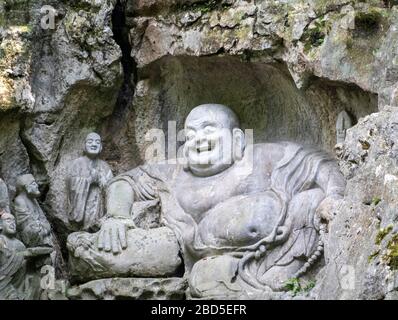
(130, 288)
(361, 240)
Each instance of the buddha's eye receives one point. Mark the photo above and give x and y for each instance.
(209, 129)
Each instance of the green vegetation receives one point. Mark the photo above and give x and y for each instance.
(391, 256)
(383, 233)
(373, 255)
(294, 286)
(315, 36)
(376, 201)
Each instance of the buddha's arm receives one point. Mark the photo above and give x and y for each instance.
(331, 180)
(120, 199)
(113, 233)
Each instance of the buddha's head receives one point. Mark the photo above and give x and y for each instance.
(7, 224)
(27, 183)
(93, 145)
(214, 140)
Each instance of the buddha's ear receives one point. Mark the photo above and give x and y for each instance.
(238, 144)
(185, 157)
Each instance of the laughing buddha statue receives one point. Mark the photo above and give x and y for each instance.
(243, 218)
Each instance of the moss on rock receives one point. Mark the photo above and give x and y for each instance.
(391, 257)
(315, 36)
(383, 233)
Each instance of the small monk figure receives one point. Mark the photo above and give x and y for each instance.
(88, 177)
(343, 123)
(32, 224)
(15, 282)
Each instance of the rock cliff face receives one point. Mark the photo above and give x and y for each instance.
(287, 68)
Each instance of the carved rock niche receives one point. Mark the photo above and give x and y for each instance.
(263, 95)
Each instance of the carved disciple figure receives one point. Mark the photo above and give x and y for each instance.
(247, 217)
(343, 123)
(15, 282)
(87, 180)
(32, 224)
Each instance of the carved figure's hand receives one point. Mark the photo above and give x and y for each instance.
(102, 182)
(328, 208)
(113, 236)
(95, 176)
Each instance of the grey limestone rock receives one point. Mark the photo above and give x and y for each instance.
(130, 288)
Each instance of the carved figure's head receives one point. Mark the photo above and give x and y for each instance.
(7, 224)
(27, 183)
(93, 145)
(214, 140)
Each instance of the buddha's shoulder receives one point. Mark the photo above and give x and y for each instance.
(274, 150)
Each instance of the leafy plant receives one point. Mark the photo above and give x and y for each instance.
(294, 286)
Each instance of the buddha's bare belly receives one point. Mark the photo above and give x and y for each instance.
(241, 220)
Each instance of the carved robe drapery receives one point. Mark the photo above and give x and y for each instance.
(86, 191)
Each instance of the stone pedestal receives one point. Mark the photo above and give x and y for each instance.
(130, 289)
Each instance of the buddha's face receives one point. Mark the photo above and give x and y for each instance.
(8, 224)
(93, 145)
(209, 141)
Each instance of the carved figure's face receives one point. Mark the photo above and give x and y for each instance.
(32, 189)
(8, 224)
(93, 144)
(341, 133)
(209, 141)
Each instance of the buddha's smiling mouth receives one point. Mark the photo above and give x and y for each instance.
(205, 147)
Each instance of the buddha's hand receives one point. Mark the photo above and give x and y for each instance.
(328, 208)
(113, 235)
